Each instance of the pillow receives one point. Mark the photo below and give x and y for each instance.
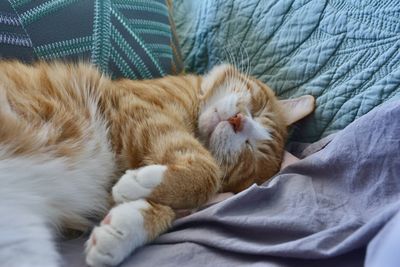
(124, 38)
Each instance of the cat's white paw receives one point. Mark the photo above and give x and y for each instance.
(119, 234)
(139, 183)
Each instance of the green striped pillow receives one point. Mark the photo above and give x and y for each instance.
(124, 38)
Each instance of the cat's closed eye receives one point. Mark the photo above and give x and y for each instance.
(249, 145)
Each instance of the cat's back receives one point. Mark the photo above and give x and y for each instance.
(47, 91)
(54, 102)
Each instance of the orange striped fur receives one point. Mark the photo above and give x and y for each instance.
(50, 108)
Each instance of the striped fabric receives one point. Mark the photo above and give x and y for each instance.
(124, 38)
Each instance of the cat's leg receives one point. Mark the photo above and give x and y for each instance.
(179, 174)
(25, 239)
(181, 179)
(126, 227)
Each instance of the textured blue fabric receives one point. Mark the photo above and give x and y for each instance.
(132, 39)
(344, 52)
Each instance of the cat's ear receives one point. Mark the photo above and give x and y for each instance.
(297, 108)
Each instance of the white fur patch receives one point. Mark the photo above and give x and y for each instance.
(139, 183)
(255, 131)
(39, 192)
(111, 243)
(26, 240)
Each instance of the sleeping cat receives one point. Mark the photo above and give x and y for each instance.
(74, 144)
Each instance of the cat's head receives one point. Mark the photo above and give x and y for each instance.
(244, 125)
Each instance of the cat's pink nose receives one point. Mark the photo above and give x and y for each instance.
(236, 122)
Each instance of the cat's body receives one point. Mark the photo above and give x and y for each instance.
(67, 134)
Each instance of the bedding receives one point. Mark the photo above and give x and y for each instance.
(339, 205)
(332, 208)
(133, 39)
(346, 53)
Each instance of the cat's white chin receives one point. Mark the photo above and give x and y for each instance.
(224, 143)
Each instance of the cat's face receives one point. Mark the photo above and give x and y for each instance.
(243, 125)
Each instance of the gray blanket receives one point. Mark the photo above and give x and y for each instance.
(336, 207)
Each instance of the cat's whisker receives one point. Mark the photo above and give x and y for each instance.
(248, 70)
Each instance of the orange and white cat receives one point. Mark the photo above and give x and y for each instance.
(75, 145)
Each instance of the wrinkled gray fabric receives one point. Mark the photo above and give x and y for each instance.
(321, 211)
(383, 250)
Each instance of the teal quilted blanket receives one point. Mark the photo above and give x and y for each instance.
(344, 52)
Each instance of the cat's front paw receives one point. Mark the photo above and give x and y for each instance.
(138, 183)
(119, 234)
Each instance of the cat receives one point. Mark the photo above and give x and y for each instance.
(75, 145)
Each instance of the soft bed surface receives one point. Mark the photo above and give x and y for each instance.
(344, 52)
(336, 207)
